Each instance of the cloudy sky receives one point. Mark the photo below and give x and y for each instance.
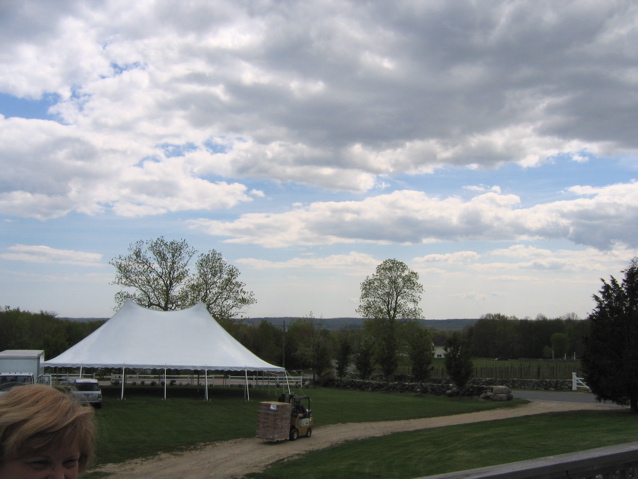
(491, 146)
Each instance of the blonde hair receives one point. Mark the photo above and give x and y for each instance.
(35, 418)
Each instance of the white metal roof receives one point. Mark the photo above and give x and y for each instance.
(22, 353)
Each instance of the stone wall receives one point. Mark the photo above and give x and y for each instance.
(443, 387)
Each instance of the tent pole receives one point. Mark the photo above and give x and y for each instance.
(80, 371)
(286, 375)
(123, 378)
(247, 392)
(165, 383)
(206, 384)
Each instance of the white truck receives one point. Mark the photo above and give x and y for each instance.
(21, 366)
(88, 391)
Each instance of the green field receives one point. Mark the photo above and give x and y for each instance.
(144, 424)
(456, 448)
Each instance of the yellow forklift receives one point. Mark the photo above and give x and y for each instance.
(301, 420)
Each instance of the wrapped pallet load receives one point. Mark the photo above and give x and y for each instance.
(274, 421)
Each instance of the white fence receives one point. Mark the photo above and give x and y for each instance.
(191, 379)
(578, 382)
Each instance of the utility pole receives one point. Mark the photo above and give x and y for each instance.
(283, 347)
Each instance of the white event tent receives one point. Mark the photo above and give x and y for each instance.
(140, 338)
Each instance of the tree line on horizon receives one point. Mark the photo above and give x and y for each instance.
(491, 336)
(42, 331)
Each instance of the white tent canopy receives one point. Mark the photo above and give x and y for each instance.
(140, 338)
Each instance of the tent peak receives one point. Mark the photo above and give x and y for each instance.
(131, 304)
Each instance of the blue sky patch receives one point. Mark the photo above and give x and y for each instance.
(11, 106)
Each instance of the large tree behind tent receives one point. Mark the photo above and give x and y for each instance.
(156, 274)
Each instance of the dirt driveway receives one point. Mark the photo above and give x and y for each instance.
(234, 459)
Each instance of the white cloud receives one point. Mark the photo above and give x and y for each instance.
(522, 262)
(399, 217)
(471, 295)
(460, 257)
(579, 158)
(514, 280)
(281, 123)
(62, 170)
(334, 95)
(482, 188)
(522, 251)
(49, 49)
(520, 280)
(335, 262)
(46, 254)
(607, 216)
(409, 217)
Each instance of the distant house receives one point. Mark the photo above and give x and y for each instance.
(439, 352)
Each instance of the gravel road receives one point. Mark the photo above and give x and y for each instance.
(562, 396)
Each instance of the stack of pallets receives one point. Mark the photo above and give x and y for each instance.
(274, 421)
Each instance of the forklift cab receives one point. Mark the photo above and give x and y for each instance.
(301, 420)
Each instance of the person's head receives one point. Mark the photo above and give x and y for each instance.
(44, 433)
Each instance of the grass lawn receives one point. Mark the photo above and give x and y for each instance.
(455, 448)
(144, 424)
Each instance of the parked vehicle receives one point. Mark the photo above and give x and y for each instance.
(11, 380)
(88, 391)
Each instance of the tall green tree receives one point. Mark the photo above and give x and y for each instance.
(267, 342)
(458, 359)
(216, 284)
(393, 292)
(300, 340)
(576, 330)
(322, 354)
(420, 349)
(500, 336)
(383, 335)
(390, 295)
(157, 275)
(610, 360)
(26, 330)
(560, 345)
(495, 335)
(309, 346)
(344, 349)
(363, 359)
